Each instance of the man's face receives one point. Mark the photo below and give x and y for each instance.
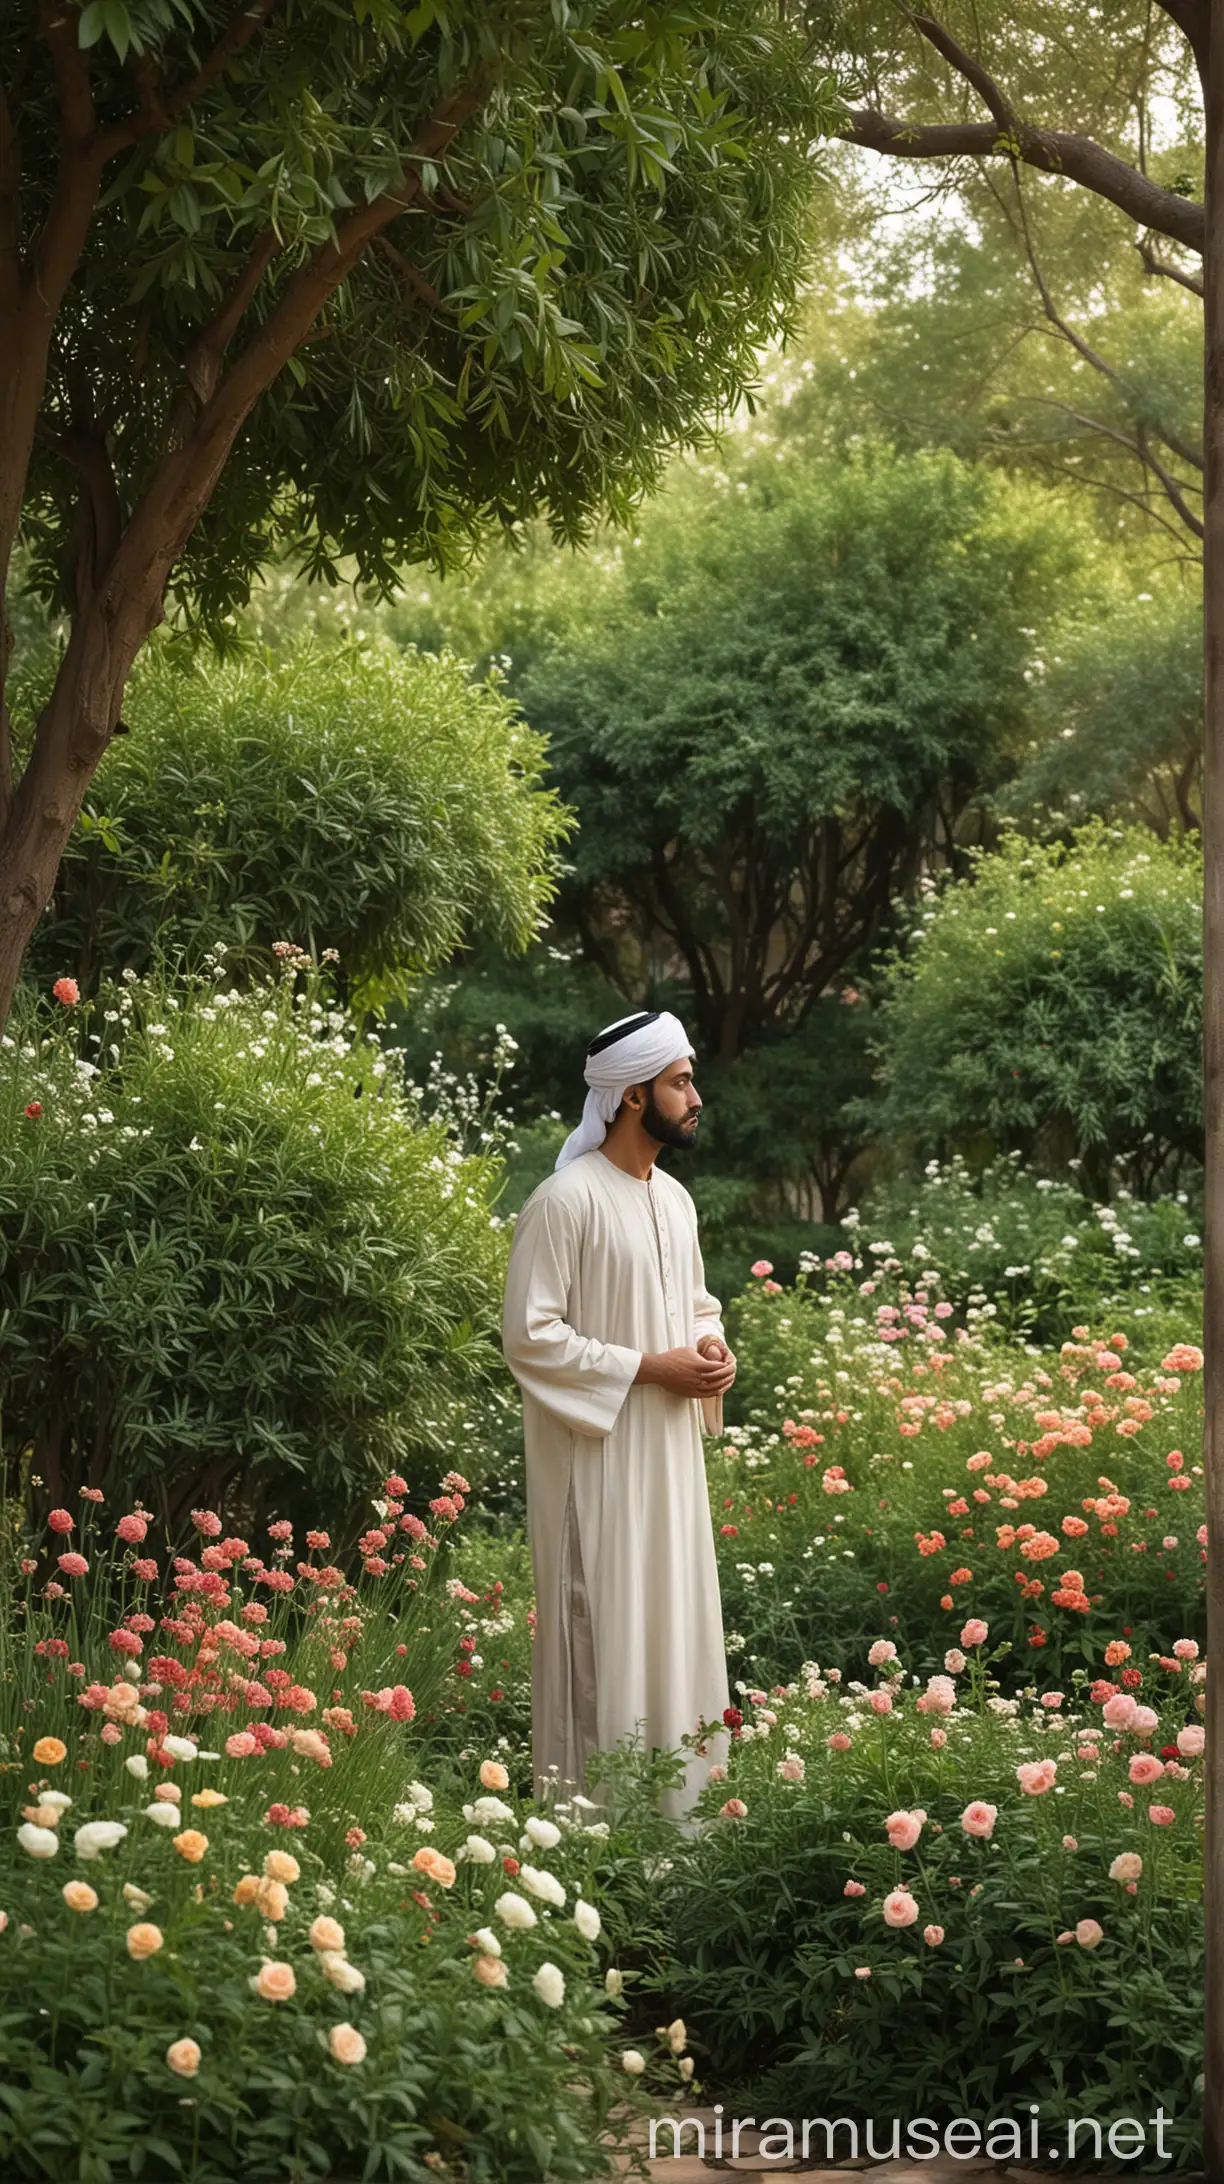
(671, 1106)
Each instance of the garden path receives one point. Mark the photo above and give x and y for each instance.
(693, 2168)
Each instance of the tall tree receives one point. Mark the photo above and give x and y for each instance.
(360, 279)
(979, 86)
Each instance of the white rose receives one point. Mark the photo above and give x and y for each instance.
(59, 1799)
(138, 1766)
(99, 1835)
(489, 1943)
(614, 1981)
(549, 1984)
(488, 1808)
(163, 1813)
(513, 1911)
(420, 1796)
(39, 1842)
(477, 1851)
(136, 1898)
(181, 1747)
(544, 1885)
(339, 1973)
(545, 1834)
(587, 1920)
(405, 1815)
(632, 2062)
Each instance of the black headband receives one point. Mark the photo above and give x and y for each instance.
(623, 1031)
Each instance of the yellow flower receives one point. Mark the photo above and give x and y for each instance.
(279, 1865)
(144, 1940)
(209, 1798)
(191, 1845)
(49, 1751)
(183, 2056)
(79, 1896)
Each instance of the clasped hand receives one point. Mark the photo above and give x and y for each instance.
(704, 1368)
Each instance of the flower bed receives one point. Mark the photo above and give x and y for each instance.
(239, 1932)
(895, 1465)
(948, 1901)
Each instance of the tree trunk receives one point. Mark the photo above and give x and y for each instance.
(74, 730)
(1213, 1094)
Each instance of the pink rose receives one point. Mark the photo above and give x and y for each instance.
(1161, 1816)
(241, 1745)
(1089, 1934)
(761, 1267)
(1144, 1769)
(979, 1818)
(1119, 1711)
(73, 1565)
(855, 1888)
(975, 1632)
(734, 1809)
(904, 1829)
(932, 1935)
(1036, 1776)
(66, 990)
(1191, 1740)
(899, 1908)
(880, 1702)
(132, 1529)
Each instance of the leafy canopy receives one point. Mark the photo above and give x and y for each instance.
(601, 222)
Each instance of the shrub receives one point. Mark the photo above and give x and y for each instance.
(1054, 1002)
(347, 796)
(174, 1998)
(1033, 1968)
(231, 1249)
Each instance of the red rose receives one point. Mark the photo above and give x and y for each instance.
(33, 1111)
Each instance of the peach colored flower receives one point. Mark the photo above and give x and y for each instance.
(1088, 1933)
(247, 1890)
(862, 1971)
(979, 1818)
(880, 1702)
(169, 1792)
(493, 1775)
(489, 1970)
(183, 2057)
(346, 2045)
(144, 1940)
(271, 1899)
(208, 1799)
(280, 1865)
(939, 1738)
(49, 1751)
(899, 1908)
(79, 1896)
(1127, 1866)
(191, 1845)
(275, 1982)
(41, 1816)
(326, 1933)
(431, 1862)
(734, 1809)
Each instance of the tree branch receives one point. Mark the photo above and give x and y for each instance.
(1153, 264)
(155, 112)
(1084, 349)
(1193, 19)
(1051, 151)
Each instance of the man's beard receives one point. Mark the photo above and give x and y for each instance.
(657, 1125)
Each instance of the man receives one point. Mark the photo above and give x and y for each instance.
(615, 1342)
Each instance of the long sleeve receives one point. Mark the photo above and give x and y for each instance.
(707, 1320)
(581, 1381)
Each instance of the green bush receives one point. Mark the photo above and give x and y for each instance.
(1053, 1003)
(231, 1250)
(347, 796)
(1029, 1974)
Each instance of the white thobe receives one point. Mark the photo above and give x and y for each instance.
(629, 1634)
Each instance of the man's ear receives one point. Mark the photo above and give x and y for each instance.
(634, 1098)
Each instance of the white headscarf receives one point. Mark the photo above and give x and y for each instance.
(631, 1051)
